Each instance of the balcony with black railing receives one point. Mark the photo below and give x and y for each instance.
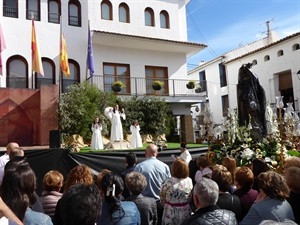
(136, 86)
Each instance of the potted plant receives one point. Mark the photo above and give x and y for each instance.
(191, 84)
(117, 86)
(157, 85)
(198, 88)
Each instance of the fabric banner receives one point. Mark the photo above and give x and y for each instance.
(42, 161)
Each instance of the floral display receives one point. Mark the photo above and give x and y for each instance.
(238, 143)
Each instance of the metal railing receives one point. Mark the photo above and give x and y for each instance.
(10, 11)
(136, 86)
(53, 18)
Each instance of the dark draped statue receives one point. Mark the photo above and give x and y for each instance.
(251, 101)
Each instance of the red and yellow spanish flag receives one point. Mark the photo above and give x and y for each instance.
(63, 59)
(37, 65)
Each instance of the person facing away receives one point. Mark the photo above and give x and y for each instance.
(79, 174)
(81, 205)
(116, 133)
(52, 184)
(205, 197)
(185, 154)
(5, 158)
(131, 161)
(244, 179)
(271, 203)
(115, 211)
(175, 194)
(136, 183)
(230, 164)
(156, 172)
(203, 166)
(17, 191)
(136, 139)
(226, 200)
(97, 142)
(292, 177)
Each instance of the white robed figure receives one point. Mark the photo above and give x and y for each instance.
(116, 133)
(136, 140)
(97, 142)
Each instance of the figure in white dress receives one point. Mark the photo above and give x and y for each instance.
(136, 140)
(97, 142)
(116, 133)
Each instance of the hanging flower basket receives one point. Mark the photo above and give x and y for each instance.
(191, 84)
(198, 89)
(157, 85)
(117, 86)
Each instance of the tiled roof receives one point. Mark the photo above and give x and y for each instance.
(265, 47)
(152, 39)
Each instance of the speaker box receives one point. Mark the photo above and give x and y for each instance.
(54, 138)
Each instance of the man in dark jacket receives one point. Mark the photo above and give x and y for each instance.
(205, 196)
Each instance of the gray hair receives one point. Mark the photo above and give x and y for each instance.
(207, 192)
(272, 222)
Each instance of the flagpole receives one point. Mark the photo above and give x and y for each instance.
(60, 71)
(32, 72)
(87, 57)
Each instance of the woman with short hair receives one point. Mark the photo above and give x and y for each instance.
(136, 183)
(52, 184)
(175, 194)
(244, 179)
(271, 203)
(226, 200)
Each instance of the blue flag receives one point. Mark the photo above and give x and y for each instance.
(90, 56)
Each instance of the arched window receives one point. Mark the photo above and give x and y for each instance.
(280, 53)
(74, 77)
(164, 19)
(149, 17)
(54, 11)
(296, 47)
(10, 8)
(16, 72)
(124, 13)
(106, 10)
(49, 74)
(266, 58)
(254, 62)
(33, 8)
(74, 13)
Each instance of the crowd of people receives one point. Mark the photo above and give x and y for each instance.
(151, 193)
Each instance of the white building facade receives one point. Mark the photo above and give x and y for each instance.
(276, 63)
(133, 41)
